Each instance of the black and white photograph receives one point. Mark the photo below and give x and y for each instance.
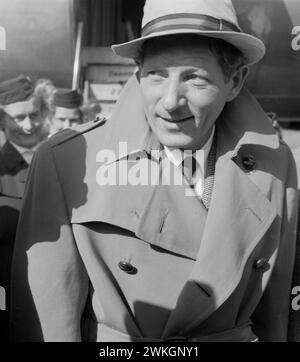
(149, 173)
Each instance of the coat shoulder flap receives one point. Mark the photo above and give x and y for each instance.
(68, 134)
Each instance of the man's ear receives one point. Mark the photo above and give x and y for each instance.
(138, 64)
(138, 74)
(237, 81)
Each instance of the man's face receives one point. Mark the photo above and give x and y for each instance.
(24, 124)
(184, 91)
(64, 118)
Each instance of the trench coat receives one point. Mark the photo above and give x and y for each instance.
(116, 262)
(13, 173)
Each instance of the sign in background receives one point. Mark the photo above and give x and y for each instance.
(40, 39)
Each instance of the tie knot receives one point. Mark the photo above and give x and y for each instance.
(189, 167)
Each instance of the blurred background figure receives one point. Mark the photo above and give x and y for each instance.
(22, 119)
(66, 110)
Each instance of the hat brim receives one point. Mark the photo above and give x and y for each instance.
(252, 48)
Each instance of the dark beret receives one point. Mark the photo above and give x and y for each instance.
(15, 90)
(67, 98)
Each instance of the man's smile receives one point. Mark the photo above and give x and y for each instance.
(181, 120)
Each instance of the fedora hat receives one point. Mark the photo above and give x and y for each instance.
(209, 18)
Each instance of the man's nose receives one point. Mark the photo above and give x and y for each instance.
(27, 125)
(173, 97)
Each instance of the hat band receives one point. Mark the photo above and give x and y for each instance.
(186, 21)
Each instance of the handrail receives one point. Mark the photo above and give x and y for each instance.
(76, 67)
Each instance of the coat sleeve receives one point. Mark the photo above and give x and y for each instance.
(49, 280)
(270, 319)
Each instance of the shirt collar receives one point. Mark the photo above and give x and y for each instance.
(23, 150)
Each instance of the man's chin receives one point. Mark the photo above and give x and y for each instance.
(183, 142)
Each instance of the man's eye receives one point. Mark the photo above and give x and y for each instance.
(34, 115)
(197, 79)
(19, 119)
(155, 74)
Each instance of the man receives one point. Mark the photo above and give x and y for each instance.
(124, 248)
(66, 110)
(22, 120)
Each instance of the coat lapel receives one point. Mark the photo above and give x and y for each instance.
(165, 222)
(154, 212)
(236, 222)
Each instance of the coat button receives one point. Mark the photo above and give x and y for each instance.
(127, 267)
(259, 263)
(248, 163)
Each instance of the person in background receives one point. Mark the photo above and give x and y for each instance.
(21, 114)
(66, 111)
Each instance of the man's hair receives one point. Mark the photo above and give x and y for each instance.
(44, 92)
(228, 56)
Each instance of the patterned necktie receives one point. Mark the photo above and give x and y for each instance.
(210, 173)
(189, 166)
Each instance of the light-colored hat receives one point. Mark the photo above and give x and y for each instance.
(210, 18)
(2, 38)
